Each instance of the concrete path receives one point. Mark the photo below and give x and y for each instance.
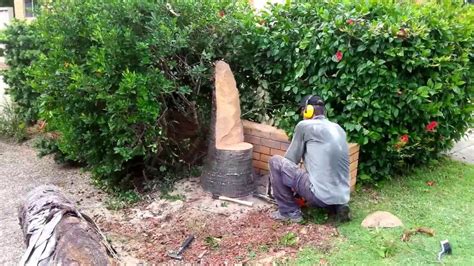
(464, 149)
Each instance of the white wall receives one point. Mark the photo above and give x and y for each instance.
(3, 97)
(6, 15)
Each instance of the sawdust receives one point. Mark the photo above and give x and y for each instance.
(224, 232)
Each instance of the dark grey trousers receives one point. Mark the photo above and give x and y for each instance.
(287, 178)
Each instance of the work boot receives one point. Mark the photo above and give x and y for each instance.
(343, 213)
(339, 213)
(294, 217)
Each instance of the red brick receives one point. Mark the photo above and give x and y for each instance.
(256, 156)
(277, 152)
(284, 146)
(260, 165)
(259, 133)
(353, 166)
(353, 180)
(354, 157)
(256, 129)
(261, 149)
(257, 126)
(279, 135)
(252, 139)
(353, 175)
(353, 148)
(265, 158)
(271, 143)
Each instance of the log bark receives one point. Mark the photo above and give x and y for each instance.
(56, 233)
(228, 168)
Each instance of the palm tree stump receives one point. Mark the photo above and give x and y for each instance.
(56, 233)
(228, 168)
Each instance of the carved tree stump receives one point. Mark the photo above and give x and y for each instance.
(56, 233)
(228, 168)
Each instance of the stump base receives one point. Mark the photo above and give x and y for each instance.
(229, 171)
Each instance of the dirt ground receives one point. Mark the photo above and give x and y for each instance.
(224, 232)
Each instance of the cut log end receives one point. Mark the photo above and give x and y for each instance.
(235, 147)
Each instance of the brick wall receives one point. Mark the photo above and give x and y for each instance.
(268, 141)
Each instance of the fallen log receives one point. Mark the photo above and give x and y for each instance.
(56, 233)
(228, 168)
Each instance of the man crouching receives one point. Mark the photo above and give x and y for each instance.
(323, 147)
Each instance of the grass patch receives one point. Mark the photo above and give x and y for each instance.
(11, 124)
(439, 196)
(171, 197)
(122, 200)
(212, 242)
(289, 239)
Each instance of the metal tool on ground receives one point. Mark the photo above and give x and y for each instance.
(178, 255)
(445, 249)
(265, 198)
(238, 201)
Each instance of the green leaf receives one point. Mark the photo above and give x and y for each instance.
(361, 48)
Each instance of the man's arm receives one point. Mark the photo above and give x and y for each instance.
(296, 149)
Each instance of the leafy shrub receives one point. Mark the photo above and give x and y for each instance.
(127, 91)
(122, 199)
(397, 77)
(46, 144)
(114, 86)
(22, 46)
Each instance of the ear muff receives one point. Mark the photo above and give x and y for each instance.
(308, 112)
(308, 109)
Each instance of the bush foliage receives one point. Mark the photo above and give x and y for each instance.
(23, 47)
(126, 85)
(398, 78)
(113, 85)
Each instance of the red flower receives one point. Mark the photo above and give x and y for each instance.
(339, 56)
(430, 183)
(404, 138)
(431, 126)
(221, 13)
(350, 21)
(402, 33)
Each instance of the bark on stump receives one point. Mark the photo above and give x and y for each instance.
(228, 169)
(56, 233)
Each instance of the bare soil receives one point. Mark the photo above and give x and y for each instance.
(224, 232)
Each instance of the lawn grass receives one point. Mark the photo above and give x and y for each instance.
(447, 207)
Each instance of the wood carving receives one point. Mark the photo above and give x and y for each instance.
(228, 167)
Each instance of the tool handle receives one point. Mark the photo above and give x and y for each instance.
(243, 202)
(185, 244)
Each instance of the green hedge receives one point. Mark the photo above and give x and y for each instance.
(117, 75)
(398, 78)
(22, 45)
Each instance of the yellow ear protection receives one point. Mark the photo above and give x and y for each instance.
(308, 109)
